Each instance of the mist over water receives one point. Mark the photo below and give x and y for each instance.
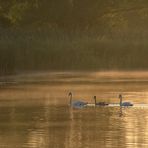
(34, 110)
(78, 38)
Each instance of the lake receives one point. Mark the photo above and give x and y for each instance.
(34, 110)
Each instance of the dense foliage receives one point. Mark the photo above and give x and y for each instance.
(73, 35)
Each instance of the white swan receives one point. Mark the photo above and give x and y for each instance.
(76, 103)
(124, 103)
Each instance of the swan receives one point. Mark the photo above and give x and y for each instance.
(99, 103)
(124, 103)
(76, 103)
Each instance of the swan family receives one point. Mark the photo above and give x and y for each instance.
(81, 104)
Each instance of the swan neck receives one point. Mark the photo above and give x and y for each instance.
(95, 101)
(120, 101)
(70, 101)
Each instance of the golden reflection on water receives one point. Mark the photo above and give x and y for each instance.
(137, 129)
(60, 126)
(37, 115)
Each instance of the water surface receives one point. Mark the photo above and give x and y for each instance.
(34, 111)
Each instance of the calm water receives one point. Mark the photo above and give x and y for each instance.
(34, 111)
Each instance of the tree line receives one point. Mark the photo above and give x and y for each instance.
(73, 35)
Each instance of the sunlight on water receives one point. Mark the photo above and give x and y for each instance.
(34, 111)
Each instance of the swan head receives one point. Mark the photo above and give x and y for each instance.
(95, 97)
(70, 94)
(120, 96)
